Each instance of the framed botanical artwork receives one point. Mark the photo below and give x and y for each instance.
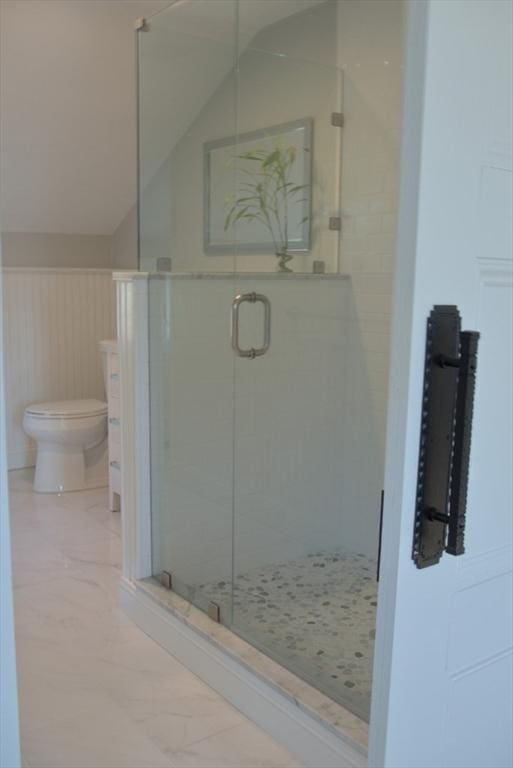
(258, 191)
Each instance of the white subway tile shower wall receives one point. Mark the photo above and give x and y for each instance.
(53, 321)
(370, 54)
(291, 431)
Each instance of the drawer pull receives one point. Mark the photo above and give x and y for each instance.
(113, 421)
(114, 376)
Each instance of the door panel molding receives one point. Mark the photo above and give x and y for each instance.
(485, 565)
(453, 248)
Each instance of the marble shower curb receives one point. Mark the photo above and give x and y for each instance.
(315, 728)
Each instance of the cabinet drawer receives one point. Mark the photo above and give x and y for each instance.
(115, 479)
(114, 430)
(114, 363)
(114, 452)
(114, 410)
(114, 385)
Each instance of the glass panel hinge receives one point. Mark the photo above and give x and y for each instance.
(214, 611)
(166, 579)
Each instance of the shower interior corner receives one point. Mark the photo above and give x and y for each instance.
(267, 466)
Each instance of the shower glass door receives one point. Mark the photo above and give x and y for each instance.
(267, 194)
(187, 96)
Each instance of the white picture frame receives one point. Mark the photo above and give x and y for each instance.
(225, 172)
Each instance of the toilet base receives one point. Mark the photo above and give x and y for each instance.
(63, 468)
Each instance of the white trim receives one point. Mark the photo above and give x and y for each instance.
(397, 461)
(132, 300)
(58, 270)
(305, 737)
(129, 275)
(9, 719)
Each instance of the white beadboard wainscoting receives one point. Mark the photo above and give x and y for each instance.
(53, 321)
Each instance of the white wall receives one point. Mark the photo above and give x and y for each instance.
(68, 131)
(40, 249)
(68, 113)
(53, 321)
(31, 249)
(124, 242)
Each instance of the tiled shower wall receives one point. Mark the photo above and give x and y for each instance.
(53, 321)
(370, 54)
(267, 435)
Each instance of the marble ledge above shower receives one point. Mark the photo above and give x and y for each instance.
(135, 275)
(247, 276)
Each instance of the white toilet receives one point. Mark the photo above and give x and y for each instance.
(72, 446)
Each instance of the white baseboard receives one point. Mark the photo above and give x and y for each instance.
(305, 737)
(21, 459)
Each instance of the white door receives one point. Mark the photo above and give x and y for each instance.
(443, 678)
(9, 728)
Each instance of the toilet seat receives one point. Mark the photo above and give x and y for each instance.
(67, 409)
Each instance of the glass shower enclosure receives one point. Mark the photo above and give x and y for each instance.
(267, 437)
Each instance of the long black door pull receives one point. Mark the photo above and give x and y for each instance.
(445, 437)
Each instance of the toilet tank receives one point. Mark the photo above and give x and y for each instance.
(106, 346)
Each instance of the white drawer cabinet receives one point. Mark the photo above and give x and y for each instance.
(112, 385)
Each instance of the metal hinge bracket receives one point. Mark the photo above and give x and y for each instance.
(164, 264)
(337, 119)
(214, 611)
(166, 579)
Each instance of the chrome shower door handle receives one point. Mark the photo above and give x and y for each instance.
(252, 298)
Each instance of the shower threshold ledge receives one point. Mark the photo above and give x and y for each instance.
(345, 735)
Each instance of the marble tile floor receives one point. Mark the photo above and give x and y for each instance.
(315, 614)
(95, 691)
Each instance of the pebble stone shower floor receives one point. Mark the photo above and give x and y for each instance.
(315, 614)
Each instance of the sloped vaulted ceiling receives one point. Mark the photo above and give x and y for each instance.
(67, 105)
(67, 113)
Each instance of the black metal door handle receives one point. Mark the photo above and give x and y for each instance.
(447, 409)
(462, 437)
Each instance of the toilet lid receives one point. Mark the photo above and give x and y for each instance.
(68, 409)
